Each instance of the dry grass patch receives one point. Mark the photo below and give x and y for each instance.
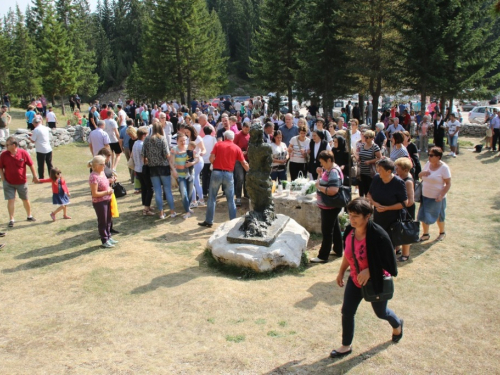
(154, 305)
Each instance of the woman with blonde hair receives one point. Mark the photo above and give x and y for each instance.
(156, 153)
(101, 200)
(368, 156)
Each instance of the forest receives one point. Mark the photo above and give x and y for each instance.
(314, 49)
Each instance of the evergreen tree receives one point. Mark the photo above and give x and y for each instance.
(275, 58)
(24, 77)
(5, 62)
(57, 60)
(323, 66)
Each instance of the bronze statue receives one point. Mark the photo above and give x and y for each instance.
(259, 185)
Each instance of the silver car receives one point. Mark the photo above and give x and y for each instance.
(477, 114)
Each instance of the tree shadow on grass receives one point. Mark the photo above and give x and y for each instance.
(328, 292)
(170, 280)
(329, 365)
(39, 263)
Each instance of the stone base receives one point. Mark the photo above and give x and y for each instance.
(235, 235)
(286, 250)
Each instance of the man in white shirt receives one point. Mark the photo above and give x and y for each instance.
(453, 127)
(51, 118)
(164, 107)
(237, 106)
(41, 137)
(122, 116)
(98, 138)
(111, 128)
(167, 128)
(394, 126)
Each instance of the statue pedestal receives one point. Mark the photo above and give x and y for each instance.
(235, 235)
(286, 250)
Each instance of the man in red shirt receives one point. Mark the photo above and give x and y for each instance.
(223, 158)
(13, 164)
(241, 140)
(104, 112)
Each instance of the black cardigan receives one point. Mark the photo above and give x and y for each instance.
(379, 251)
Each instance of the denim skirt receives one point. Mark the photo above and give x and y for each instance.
(431, 211)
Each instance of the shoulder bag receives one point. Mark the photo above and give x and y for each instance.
(306, 157)
(367, 290)
(119, 190)
(405, 230)
(130, 163)
(339, 200)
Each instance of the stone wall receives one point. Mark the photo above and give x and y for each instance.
(467, 129)
(304, 211)
(58, 137)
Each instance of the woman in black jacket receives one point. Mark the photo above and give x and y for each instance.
(439, 131)
(341, 155)
(375, 256)
(316, 145)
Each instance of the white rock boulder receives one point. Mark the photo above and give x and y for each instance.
(286, 250)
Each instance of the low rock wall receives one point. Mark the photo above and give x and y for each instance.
(58, 137)
(304, 211)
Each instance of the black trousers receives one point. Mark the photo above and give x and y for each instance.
(295, 168)
(364, 185)
(41, 159)
(205, 178)
(496, 138)
(146, 186)
(330, 228)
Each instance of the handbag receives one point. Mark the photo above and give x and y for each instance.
(405, 230)
(119, 190)
(355, 171)
(307, 155)
(114, 207)
(339, 200)
(367, 290)
(419, 186)
(130, 163)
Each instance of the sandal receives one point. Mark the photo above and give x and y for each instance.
(441, 236)
(403, 258)
(147, 213)
(425, 237)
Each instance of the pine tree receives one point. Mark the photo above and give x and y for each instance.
(5, 62)
(57, 61)
(275, 58)
(323, 66)
(24, 76)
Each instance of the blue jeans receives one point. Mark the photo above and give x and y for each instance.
(198, 167)
(186, 189)
(157, 182)
(352, 299)
(217, 179)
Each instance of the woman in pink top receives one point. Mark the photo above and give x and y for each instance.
(101, 200)
(376, 258)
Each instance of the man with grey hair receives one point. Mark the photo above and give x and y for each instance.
(223, 158)
(289, 130)
(167, 126)
(98, 138)
(203, 121)
(41, 138)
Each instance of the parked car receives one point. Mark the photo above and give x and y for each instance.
(242, 99)
(477, 114)
(284, 103)
(468, 105)
(215, 102)
(494, 100)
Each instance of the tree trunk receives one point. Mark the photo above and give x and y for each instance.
(375, 93)
(361, 99)
(423, 101)
(62, 106)
(290, 98)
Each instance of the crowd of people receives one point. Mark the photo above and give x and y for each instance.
(204, 148)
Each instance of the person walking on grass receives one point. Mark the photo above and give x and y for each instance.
(60, 193)
(111, 128)
(5, 120)
(13, 162)
(41, 138)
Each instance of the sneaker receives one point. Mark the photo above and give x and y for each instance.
(2, 234)
(186, 215)
(30, 218)
(112, 241)
(173, 214)
(52, 216)
(454, 155)
(11, 223)
(107, 245)
(202, 204)
(238, 202)
(450, 154)
(162, 217)
(193, 205)
(317, 260)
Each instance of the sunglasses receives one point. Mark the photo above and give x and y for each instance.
(431, 155)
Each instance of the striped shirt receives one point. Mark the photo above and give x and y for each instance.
(366, 155)
(397, 153)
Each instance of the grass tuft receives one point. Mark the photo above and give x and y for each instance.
(236, 338)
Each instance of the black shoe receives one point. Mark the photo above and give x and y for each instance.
(205, 224)
(114, 231)
(2, 234)
(336, 354)
(396, 338)
(30, 218)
